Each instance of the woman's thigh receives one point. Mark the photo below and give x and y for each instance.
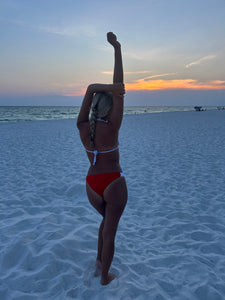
(96, 200)
(116, 192)
(115, 196)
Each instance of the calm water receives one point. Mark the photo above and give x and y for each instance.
(34, 113)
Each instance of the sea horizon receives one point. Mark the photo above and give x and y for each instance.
(52, 112)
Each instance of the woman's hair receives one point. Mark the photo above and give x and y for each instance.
(101, 104)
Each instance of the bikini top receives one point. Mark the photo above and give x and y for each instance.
(101, 120)
(96, 152)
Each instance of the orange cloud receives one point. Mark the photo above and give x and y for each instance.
(162, 84)
(69, 89)
(148, 84)
(80, 92)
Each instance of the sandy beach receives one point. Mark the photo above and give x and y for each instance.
(170, 242)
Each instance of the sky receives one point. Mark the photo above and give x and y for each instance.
(173, 50)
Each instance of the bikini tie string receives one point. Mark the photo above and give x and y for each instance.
(95, 156)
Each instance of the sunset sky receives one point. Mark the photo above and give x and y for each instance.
(173, 50)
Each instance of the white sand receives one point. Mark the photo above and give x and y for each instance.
(170, 242)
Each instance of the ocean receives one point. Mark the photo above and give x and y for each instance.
(38, 113)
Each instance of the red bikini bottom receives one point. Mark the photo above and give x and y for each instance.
(99, 182)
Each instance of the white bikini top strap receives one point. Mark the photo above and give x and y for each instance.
(111, 150)
(101, 120)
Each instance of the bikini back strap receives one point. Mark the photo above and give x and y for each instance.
(111, 150)
(95, 152)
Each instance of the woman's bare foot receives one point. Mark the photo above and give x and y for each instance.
(98, 268)
(112, 39)
(107, 280)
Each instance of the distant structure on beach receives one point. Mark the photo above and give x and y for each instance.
(199, 108)
(221, 107)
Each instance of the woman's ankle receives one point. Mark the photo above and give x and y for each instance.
(107, 278)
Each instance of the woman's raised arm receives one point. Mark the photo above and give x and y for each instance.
(117, 88)
(118, 99)
(118, 64)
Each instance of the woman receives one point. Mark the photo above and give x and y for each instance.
(105, 183)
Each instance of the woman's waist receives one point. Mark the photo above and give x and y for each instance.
(104, 167)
